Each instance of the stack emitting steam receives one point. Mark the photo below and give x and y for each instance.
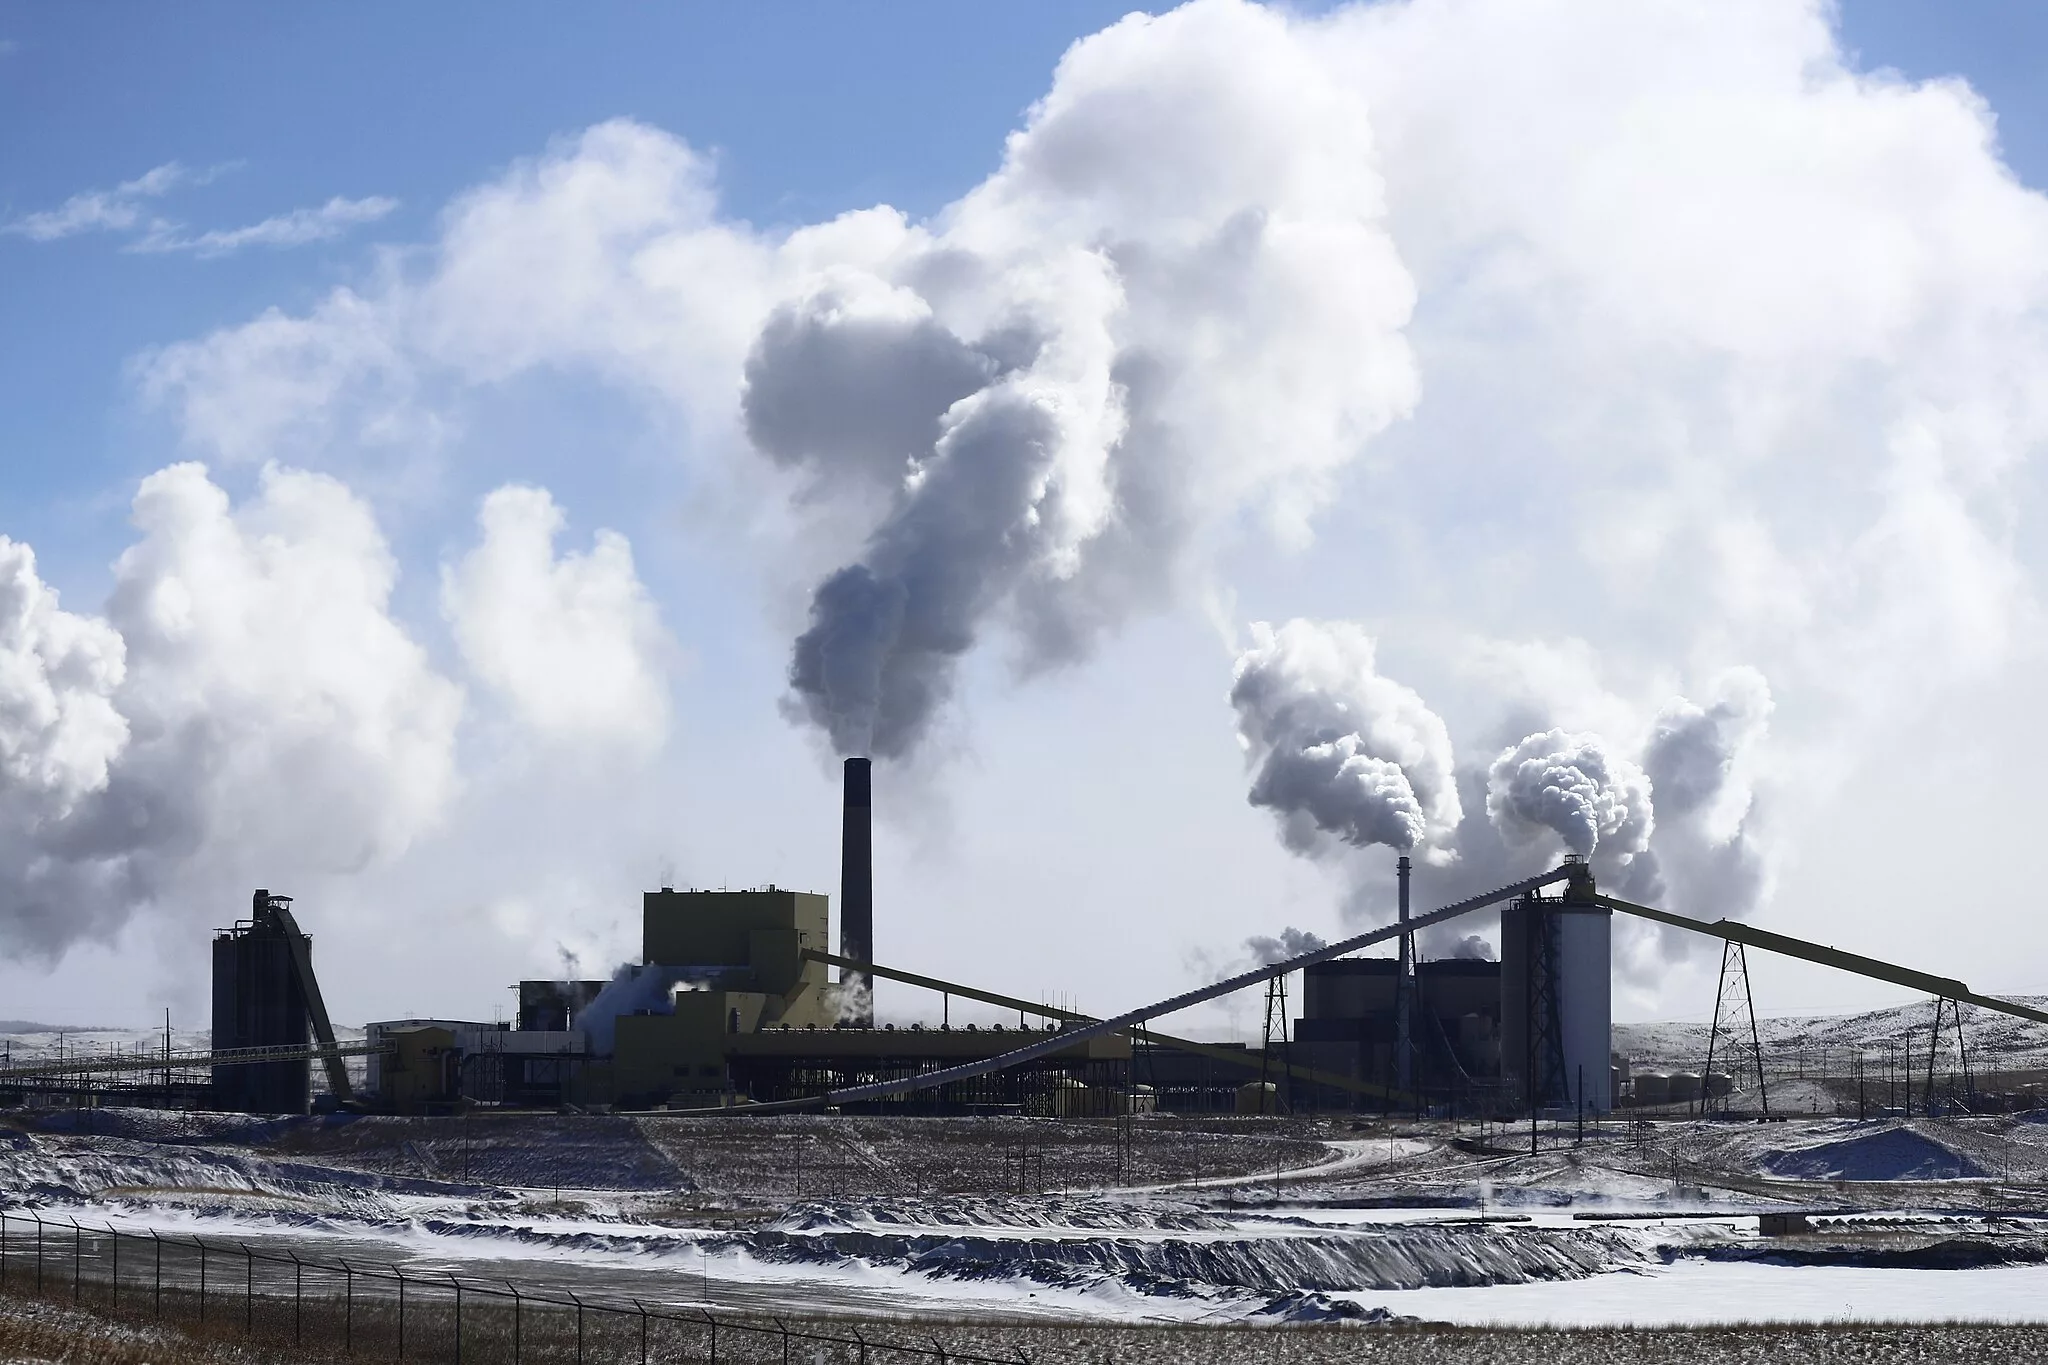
(1338, 751)
(857, 894)
(1345, 757)
(1571, 785)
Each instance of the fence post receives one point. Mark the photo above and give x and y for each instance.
(714, 1335)
(157, 1297)
(298, 1292)
(77, 1257)
(3, 1246)
(114, 1242)
(458, 1316)
(785, 1338)
(579, 1324)
(348, 1308)
(515, 1320)
(248, 1290)
(39, 1251)
(863, 1342)
(401, 1310)
(940, 1347)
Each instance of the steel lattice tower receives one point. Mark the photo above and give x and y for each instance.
(1734, 1016)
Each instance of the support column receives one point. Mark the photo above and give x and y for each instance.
(1404, 994)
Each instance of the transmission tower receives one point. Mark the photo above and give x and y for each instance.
(1962, 1088)
(1276, 1029)
(1734, 1021)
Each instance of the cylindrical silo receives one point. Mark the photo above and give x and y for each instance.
(1557, 999)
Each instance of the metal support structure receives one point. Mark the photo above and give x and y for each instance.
(1276, 1017)
(1545, 1078)
(1404, 990)
(1122, 1023)
(1731, 1014)
(1235, 1057)
(1954, 1009)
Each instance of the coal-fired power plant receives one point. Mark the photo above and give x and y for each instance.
(857, 892)
(732, 1002)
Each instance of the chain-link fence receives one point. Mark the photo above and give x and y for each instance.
(382, 1311)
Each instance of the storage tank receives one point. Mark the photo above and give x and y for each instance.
(1685, 1087)
(1720, 1085)
(1653, 1087)
(1070, 1099)
(1260, 1097)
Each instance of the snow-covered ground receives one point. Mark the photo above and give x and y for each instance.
(1641, 1223)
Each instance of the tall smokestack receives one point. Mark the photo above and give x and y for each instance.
(857, 891)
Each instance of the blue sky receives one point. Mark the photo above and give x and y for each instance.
(814, 110)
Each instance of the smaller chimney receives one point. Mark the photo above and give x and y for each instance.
(857, 887)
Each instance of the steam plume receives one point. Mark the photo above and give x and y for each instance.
(1570, 785)
(1084, 364)
(1338, 750)
(1292, 942)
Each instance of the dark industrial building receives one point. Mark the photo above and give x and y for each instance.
(1477, 1030)
(266, 999)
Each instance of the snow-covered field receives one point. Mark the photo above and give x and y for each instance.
(1221, 1221)
(1205, 1221)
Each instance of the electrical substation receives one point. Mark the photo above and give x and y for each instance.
(740, 1004)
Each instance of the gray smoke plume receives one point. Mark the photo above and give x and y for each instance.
(1338, 750)
(1570, 785)
(1292, 943)
(1707, 853)
(1472, 948)
(886, 634)
(1034, 407)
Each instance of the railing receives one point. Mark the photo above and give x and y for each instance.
(383, 1311)
(84, 1063)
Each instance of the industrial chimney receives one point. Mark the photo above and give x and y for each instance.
(857, 890)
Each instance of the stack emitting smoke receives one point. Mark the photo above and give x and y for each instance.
(857, 893)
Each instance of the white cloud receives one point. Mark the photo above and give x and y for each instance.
(296, 228)
(117, 210)
(59, 730)
(126, 209)
(573, 643)
(248, 703)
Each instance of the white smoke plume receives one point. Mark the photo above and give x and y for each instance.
(851, 1001)
(1572, 786)
(1104, 349)
(248, 702)
(1708, 857)
(573, 641)
(1336, 749)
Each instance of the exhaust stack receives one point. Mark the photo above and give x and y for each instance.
(857, 888)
